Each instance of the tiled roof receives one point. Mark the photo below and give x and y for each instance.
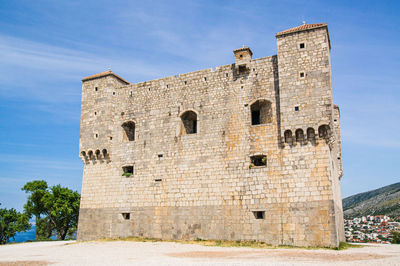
(302, 28)
(104, 74)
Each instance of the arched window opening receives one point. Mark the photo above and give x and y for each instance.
(189, 123)
(261, 112)
(311, 134)
(299, 135)
(258, 160)
(83, 153)
(97, 152)
(129, 130)
(288, 136)
(324, 131)
(90, 155)
(104, 151)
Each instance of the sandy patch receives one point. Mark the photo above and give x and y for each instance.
(24, 263)
(287, 255)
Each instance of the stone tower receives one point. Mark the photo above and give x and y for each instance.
(246, 151)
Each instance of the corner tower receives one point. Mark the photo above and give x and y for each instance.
(309, 122)
(305, 77)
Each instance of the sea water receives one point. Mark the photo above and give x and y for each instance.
(29, 235)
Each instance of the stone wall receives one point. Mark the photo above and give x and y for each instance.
(204, 185)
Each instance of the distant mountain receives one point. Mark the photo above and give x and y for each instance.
(381, 201)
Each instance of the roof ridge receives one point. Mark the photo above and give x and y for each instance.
(302, 27)
(104, 74)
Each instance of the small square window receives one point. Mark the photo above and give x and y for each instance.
(302, 45)
(296, 108)
(259, 160)
(205, 78)
(128, 170)
(185, 82)
(260, 215)
(126, 215)
(160, 155)
(302, 75)
(113, 92)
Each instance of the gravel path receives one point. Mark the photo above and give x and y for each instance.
(170, 253)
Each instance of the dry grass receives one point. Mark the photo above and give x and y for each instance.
(228, 243)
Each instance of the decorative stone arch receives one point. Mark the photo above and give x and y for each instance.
(189, 122)
(97, 152)
(324, 131)
(288, 136)
(311, 134)
(261, 111)
(299, 135)
(90, 155)
(129, 130)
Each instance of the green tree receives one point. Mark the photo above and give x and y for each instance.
(34, 205)
(44, 228)
(55, 208)
(395, 237)
(62, 209)
(12, 222)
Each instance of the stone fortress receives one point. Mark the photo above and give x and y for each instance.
(245, 151)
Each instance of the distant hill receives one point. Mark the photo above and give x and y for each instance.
(381, 201)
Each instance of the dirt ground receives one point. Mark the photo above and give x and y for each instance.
(170, 253)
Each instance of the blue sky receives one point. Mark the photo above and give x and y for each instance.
(46, 47)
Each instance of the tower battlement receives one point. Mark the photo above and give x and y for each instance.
(245, 151)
